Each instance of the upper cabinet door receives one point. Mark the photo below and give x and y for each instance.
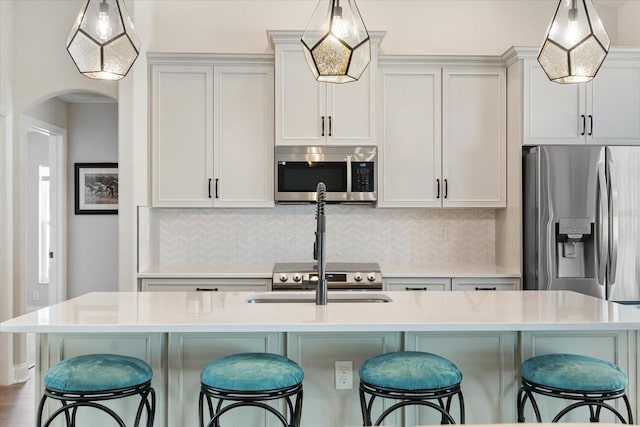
(301, 117)
(409, 169)
(553, 113)
(614, 103)
(313, 113)
(182, 135)
(474, 136)
(243, 133)
(351, 111)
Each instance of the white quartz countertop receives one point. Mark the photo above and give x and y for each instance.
(252, 271)
(462, 271)
(409, 311)
(266, 271)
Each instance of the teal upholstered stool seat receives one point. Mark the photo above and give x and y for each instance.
(587, 380)
(413, 377)
(97, 372)
(250, 379)
(83, 381)
(252, 372)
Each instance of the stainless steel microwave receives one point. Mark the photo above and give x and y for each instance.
(349, 173)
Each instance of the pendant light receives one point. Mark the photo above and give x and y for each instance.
(103, 43)
(576, 43)
(336, 43)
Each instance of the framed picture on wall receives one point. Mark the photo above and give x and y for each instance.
(96, 188)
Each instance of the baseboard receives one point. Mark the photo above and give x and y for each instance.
(21, 372)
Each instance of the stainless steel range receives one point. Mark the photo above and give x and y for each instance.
(340, 275)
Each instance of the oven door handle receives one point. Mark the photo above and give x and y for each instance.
(348, 177)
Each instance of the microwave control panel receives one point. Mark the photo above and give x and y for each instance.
(362, 177)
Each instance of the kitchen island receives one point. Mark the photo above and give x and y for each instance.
(486, 334)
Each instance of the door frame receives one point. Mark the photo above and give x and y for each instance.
(58, 163)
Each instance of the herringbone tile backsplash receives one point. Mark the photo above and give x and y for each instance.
(190, 237)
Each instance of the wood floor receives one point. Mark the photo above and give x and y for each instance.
(17, 405)
(17, 402)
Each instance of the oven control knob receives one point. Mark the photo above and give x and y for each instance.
(357, 277)
(284, 277)
(297, 277)
(371, 277)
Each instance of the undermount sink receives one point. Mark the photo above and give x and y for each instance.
(310, 297)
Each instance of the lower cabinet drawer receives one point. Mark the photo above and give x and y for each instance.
(417, 284)
(483, 284)
(206, 285)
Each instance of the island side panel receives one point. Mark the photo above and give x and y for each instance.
(614, 346)
(190, 352)
(487, 362)
(150, 347)
(317, 353)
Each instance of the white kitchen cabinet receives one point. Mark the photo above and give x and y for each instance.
(487, 363)
(417, 284)
(204, 285)
(150, 347)
(212, 130)
(485, 284)
(474, 144)
(612, 346)
(313, 113)
(189, 353)
(603, 111)
(181, 134)
(325, 405)
(243, 135)
(442, 134)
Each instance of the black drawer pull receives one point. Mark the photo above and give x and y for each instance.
(590, 125)
(416, 289)
(209, 187)
(217, 179)
(446, 188)
(584, 124)
(322, 134)
(207, 289)
(438, 188)
(478, 288)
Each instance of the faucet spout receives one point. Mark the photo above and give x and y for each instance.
(321, 244)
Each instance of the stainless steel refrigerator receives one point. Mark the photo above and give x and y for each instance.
(581, 213)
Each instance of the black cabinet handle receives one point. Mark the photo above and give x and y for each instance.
(209, 187)
(478, 288)
(207, 289)
(446, 188)
(584, 124)
(322, 134)
(590, 125)
(217, 187)
(438, 188)
(416, 289)
(330, 125)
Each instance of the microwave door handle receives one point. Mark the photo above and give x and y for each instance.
(348, 177)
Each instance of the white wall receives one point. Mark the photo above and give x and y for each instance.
(629, 23)
(92, 239)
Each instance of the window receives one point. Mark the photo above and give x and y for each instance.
(44, 224)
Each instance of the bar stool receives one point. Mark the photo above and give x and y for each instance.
(587, 380)
(414, 378)
(251, 379)
(86, 380)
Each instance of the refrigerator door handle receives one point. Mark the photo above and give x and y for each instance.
(613, 224)
(602, 232)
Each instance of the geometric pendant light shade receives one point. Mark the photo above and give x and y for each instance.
(336, 43)
(103, 43)
(576, 43)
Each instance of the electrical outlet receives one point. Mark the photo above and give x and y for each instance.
(344, 374)
(36, 296)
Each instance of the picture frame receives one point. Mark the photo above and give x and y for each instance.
(96, 188)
